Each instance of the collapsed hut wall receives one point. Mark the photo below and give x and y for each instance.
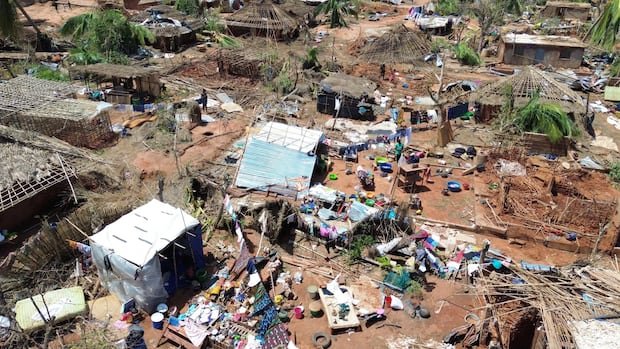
(50, 245)
(91, 133)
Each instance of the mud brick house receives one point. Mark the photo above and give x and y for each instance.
(525, 49)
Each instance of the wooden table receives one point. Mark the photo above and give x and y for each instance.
(408, 176)
(177, 335)
(334, 321)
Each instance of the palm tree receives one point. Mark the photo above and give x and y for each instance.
(337, 10)
(106, 31)
(605, 30)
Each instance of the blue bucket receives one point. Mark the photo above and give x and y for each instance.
(158, 321)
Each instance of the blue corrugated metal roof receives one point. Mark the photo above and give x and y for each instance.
(266, 164)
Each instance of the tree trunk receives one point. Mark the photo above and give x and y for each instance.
(481, 43)
(23, 11)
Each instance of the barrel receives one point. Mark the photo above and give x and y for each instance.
(158, 321)
(313, 292)
(315, 309)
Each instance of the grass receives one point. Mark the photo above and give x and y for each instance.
(357, 246)
(614, 172)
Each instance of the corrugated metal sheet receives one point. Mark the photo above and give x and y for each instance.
(265, 164)
(292, 137)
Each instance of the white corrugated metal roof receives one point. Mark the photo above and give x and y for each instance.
(140, 234)
(291, 137)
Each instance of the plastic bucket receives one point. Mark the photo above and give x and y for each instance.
(313, 292)
(162, 308)
(158, 321)
(299, 313)
(315, 309)
(388, 302)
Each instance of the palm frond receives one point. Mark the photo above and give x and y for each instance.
(605, 30)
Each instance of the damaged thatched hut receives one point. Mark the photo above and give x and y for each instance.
(173, 30)
(521, 87)
(46, 107)
(127, 81)
(249, 63)
(353, 92)
(35, 169)
(263, 19)
(399, 45)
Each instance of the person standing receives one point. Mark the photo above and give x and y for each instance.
(204, 98)
(398, 148)
(382, 71)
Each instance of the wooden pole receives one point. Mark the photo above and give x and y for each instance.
(67, 176)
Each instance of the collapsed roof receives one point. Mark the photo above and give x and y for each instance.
(266, 17)
(399, 45)
(524, 86)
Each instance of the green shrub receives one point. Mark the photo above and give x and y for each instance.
(466, 55)
(45, 73)
(448, 7)
(614, 172)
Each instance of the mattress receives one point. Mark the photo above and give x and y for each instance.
(63, 304)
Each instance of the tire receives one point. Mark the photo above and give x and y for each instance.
(318, 343)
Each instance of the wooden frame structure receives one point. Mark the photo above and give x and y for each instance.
(34, 163)
(126, 80)
(47, 107)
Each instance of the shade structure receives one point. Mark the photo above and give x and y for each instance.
(262, 19)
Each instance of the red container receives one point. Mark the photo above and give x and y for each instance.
(299, 314)
(388, 301)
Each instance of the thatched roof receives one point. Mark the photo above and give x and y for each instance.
(348, 85)
(262, 16)
(32, 163)
(524, 85)
(25, 164)
(399, 45)
(106, 70)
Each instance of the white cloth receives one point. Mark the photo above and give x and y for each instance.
(337, 104)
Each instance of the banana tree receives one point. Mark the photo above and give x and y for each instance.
(337, 10)
(605, 30)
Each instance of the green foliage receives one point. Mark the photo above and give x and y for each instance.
(439, 44)
(215, 27)
(605, 29)
(337, 10)
(190, 7)
(514, 7)
(8, 18)
(311, 61)
(448, 7)
(213, 23)
(466, 55)
(545, 118)
(384, 262)
(614, 68)
(107, 32)
(358, 244)
(45, 73)
(614, 172)
(283, 83)
(415, 289)
(81, 56)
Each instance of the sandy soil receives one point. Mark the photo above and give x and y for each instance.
(51, 19)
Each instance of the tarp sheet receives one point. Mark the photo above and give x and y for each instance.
(142, 233)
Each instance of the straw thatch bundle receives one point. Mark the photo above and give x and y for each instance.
(262, 17)
(347, 85)
(24, 164)
(524, 86)
(399, 45)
